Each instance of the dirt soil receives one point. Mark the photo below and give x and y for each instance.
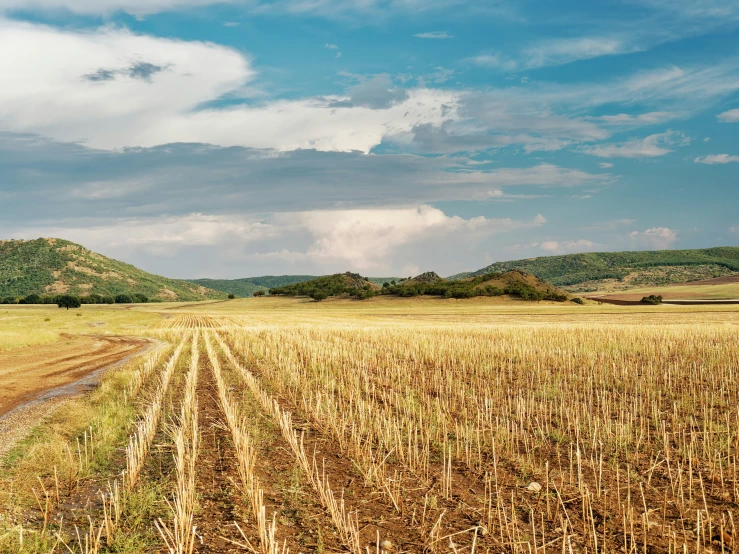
(27, 373)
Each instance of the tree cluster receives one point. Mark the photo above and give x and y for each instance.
(88, 299)
(652, 299)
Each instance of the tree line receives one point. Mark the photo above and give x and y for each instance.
(74, 301)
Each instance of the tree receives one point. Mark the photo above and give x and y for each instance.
(69, 301)
(319, 295)
(32, 299)
(259, 293)
(140, 298)
(231, 296)
(123, 299)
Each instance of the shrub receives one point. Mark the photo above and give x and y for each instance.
(139, 298)
(652, 299)
(319, 295)
(232, 296)
(578, 300)
(123, 299)
(260, 293)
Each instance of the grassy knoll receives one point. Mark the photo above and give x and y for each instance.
(54, 266)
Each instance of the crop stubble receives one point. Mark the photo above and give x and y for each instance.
(441, 438)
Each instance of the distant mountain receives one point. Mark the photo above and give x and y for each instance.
(249, 285)
(246, 287)
(49, 266)
(623, 270)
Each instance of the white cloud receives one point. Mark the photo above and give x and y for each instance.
(555, 246)
(438, 35)
(659, 238)
(77, 87)
(376, 240)
(605, 165)
(567, 245)
(648, 147)
(562, 51)
(731, 116)
(493, 60)
(649, 118)
(331, 46)
(232, 24)
(364, 238)
(82, 87)
(717, 159)
(333, 9)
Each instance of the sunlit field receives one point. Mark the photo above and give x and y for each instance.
(422, 425)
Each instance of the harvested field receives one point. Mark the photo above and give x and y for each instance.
(430, 432)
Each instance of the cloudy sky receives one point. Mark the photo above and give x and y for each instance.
(232, 138)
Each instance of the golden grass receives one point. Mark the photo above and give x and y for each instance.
(32, 325)
(484, 425)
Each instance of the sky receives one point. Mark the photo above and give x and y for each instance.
(235, 138)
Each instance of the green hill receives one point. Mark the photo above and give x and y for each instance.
(517, 284)
(329, 285)
(249, 285)
(53, 266)
(622, 270)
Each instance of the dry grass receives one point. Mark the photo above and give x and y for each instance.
(480, 427)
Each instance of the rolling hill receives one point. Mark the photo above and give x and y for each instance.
(330, 285)
(49, 266)
(612, 271)
(249, 285)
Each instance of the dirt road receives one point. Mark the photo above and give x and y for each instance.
(27, 373)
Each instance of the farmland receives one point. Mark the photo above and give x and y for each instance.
(391, 425)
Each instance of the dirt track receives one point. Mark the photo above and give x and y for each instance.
(27, 373)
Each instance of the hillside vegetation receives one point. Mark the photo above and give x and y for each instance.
(51, 267)
(513, 283)
(249, 285)
(622, 270)
(321, 288)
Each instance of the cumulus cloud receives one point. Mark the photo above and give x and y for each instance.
(717, 159)
(658, 238)
(364, 238)
(731, 116)
(648, 147)
(375, 240)
(93, 87)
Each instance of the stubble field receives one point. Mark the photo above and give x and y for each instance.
(276, 425)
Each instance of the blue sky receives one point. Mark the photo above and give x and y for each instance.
(199, 138)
